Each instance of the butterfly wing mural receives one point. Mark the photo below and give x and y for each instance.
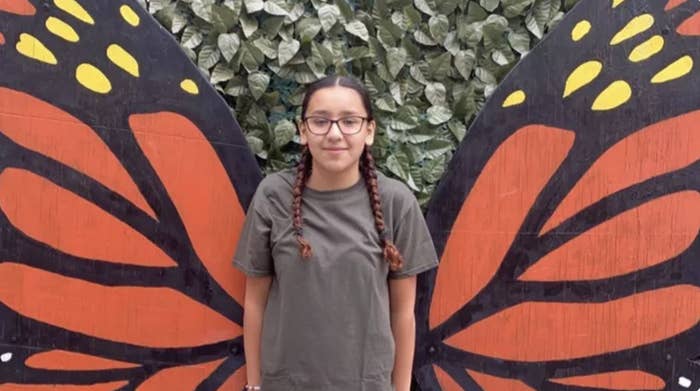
(124, 180)
(567, 222)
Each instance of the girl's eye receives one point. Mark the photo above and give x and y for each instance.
(350, 121)
(319, 121)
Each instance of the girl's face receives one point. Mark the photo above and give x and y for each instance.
(336, 152)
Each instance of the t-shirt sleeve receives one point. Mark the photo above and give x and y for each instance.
(253, 255)
(412, 239)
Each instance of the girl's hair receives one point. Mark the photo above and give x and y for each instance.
(367, 169)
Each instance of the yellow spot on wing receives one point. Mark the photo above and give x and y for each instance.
(635, 26)
(129, 15)
(581, 76)
(617, 2)
(31, 47)
(678, 68)
(189, 86)
(92, 78)
(616, 94)
(580, 30)
(75, 9)
(62, 29)
(514, 98)
(123, 59)
(647, 49)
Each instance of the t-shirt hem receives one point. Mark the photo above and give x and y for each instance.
(412, 272)
(250, 272)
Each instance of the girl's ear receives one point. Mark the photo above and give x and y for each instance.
(371, 129)
(302, 132)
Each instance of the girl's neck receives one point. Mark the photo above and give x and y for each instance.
(323, 180)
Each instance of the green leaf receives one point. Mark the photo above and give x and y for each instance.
(423, 38)
(471, 34)
(272, 25)
(433, 169)
(538, 17)
(439, 114)
(418, 74)
(452, 43)
(474, 14)
(519, 40)
(275, 7)
(406, 118)
(464, 63)
(250, 56)
(249, 25)
(228, 44)
(257, 83)
(400, 168)
(267, 47)
(427, 7)
(397, 92)
(356, 52)
(438, 25)
(513, 8)
(494, 29)
(447, 7)
(358, 29)
(435, 148)
(296, 12)
(235, 87)
(485, 76)
(256, 145)
(179, 21)
(191, 37)
(328, 14)
(209, 55)
(345, 10)
(380, 10)
(499, 57)
(287, 50)
(252, 6)
(223, 18)
(385, 36)
(385, 104)
(440, 66)
(307, 29)
(414, 52)
(489, 5)
(412, 16)
(396, 59)
(315, 61)
(436, 93)
(221, 73)
(202, 9)
(458, 129)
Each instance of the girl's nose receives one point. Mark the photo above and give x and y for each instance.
(334, 132)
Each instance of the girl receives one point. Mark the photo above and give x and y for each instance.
(331, 251)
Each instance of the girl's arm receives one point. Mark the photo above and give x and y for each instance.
(402, 294)
(256, 290)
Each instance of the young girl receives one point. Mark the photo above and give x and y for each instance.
(331, 251)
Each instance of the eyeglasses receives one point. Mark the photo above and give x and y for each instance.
(322, 125)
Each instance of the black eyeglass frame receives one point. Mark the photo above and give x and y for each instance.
(337, 122)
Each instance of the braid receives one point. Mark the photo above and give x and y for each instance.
(303, 171)
(369, 172)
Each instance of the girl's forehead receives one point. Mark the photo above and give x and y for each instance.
(336, 99)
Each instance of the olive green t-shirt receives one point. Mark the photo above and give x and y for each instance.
(327, 325)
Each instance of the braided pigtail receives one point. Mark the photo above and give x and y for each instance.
(303, 171)
(369, 172)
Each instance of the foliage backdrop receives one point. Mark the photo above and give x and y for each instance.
(429, 65)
